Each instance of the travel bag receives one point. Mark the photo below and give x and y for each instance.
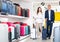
(56, 34)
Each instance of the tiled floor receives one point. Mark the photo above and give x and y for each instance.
(39, 39)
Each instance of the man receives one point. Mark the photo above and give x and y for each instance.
(49, 16)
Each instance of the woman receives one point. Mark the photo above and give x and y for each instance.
(39, 19)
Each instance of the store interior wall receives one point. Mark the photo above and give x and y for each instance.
(32, 5)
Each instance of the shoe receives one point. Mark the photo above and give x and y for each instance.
(49, 38)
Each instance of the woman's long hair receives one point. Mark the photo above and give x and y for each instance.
(38, 10)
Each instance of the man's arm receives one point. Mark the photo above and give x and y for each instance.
(53, 16)
(46, 15)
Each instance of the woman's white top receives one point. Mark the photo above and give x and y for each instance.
(39, 18)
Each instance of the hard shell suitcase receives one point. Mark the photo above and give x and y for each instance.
(44, 34)
(56, 34)
(4, 33)
(33, 34)
(0, 5)
(26, 12)
(22, 30)
(18, 30)
(23, 12)
(4, 8)
(11, 8)
(17, 9)
(26, 30)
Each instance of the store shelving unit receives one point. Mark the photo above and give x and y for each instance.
(12, 16)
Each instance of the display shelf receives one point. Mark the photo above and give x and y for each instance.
(12, 16)
(24, 37)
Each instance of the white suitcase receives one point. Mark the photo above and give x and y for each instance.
(56, 34)
(4, 33)
(33, 34)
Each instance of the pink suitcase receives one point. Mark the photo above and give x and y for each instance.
(22, 30)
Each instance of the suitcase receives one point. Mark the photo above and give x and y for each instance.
(4, 8)
(11, 8)
(26, 30)
(22, 30)
(18, 30)
(12, 32)
(17, 9)
(56, 34)
(44, 34)
(23, 12)
(4, 33)
(33, 34)
(12, 26)
(9, 35)
(26, 12)
(0, 5)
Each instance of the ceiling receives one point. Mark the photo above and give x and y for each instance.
(34, 0)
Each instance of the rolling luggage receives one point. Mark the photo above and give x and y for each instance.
(11, 8)
(22, 30)
(26, 12)
(12, 27)
(23, 12)
(0, 5)
(4, 8)
(17, 9)
(33, 33)
(56, 34)
(18, 30)
(9, 35)
(44, 34)
(26, 30)
(4, 33)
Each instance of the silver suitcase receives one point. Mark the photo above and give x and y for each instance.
(4, 33)
(56, 34)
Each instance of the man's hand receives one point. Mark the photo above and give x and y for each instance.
(46, 19)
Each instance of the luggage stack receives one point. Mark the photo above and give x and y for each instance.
(24, 30)
(7, 7)
(17, 29)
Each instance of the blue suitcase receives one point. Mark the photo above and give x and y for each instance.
(4, 7)
(26, 30)
(44, 35)
(11, 8)
(0, 5)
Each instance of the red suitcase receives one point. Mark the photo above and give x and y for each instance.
(22, 30)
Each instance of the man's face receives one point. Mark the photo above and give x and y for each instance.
(49, 7)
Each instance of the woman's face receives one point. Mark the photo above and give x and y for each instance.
(39, 9)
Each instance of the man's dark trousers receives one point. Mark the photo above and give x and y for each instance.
(49, 28)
